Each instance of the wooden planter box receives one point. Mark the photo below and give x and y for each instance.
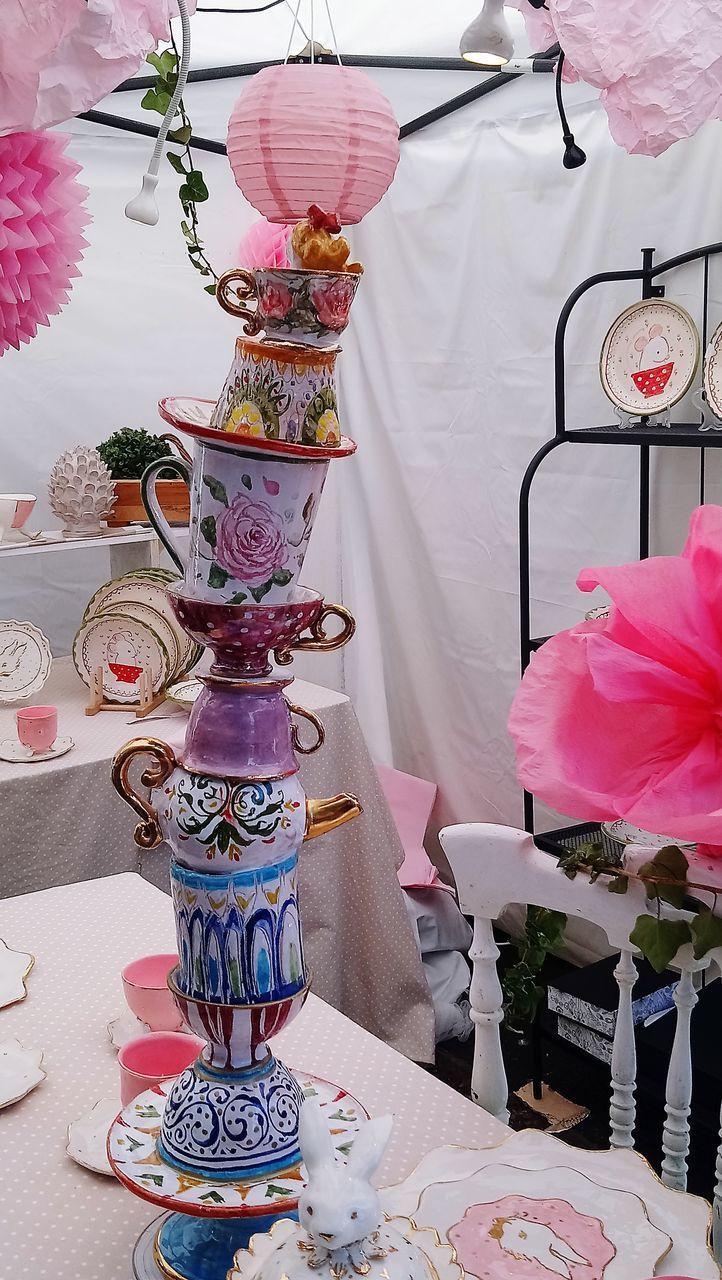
(173, 496)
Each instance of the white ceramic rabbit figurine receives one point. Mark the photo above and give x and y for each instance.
(339, 1208)
(341, 1231)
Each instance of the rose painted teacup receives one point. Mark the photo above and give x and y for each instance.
(251, 520)
(310, 307)
(281, 392)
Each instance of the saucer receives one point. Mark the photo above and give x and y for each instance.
(20, 1071)
(14, 750)
(625, 833)
(87, 1138)
(14, 969)
(126, 1027)
(193, 415)
(184, 692)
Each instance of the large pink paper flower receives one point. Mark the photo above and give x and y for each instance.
(265, 244)
(60, 57)
(623, 717)
(658, 65)
(41, 221)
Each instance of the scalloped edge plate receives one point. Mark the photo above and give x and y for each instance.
(20, 1071)
(39, 669)
(13, 974)
(87, 1138)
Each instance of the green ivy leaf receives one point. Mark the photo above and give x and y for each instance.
(164, 63)
(669, 864)
(246, 481)
(281, 577)
(197, 186)
(217, 489)
(210, 288)
(217, 577)
(706, 933)
(659, 940)
(176, 162)
(619, 884)
(181, 135)
(208, 529)
(187, 231)
(156, 100)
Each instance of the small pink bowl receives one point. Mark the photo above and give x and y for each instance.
(145, 983)
(151, 1059)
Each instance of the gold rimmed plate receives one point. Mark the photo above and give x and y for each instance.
(649, 357)
(193, 416)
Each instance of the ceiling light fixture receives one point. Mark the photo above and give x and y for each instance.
(488, 40)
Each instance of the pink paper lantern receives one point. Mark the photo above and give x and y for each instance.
(41, 223)
(302, 135)
(265, 244)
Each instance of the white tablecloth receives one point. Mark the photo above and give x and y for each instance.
(62, 821)
(61, 1222)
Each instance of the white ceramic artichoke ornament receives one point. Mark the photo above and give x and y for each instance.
(341, 1233)
(81, 491)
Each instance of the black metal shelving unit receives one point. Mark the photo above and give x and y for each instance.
(643, 437)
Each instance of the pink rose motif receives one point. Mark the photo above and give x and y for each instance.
(275, 301)
(333, 301)
(249, 541)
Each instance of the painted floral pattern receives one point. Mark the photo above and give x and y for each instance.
(332, 301)
(279, 398)
(225, 818)
(304, 303)
(250, 542)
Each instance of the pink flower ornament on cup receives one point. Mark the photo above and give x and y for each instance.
(145, 984)
(151, 1059)
(37, 728)
(250, 541)
(332, 300)
(275, 301)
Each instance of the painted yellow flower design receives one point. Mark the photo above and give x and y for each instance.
(328, 430)
(245, 420)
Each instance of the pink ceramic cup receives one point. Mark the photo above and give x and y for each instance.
(151, 1059)
(145, 983)
(37, 727)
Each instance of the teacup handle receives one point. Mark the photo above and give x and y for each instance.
(319, 641)
(147, 833)
(233, 299)
(314, 720)
(153, 508)
(173, 439)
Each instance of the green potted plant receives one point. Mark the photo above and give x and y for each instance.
(127, 453)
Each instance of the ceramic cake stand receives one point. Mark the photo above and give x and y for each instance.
(208, 1220)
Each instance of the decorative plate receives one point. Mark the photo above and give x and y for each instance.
(14, 969)
(123, 648)
(441, 1261)
(649, 357)
(145, 587)
(20, 1071)
(25, 660)
(157, 623)
(87, 1138)
(625, 833)
(523, 1224)
(194, 417)
(686, 1218)
(184, 692)
(16, 752)
(126, 1027)
(712, 372)
(136, 1162)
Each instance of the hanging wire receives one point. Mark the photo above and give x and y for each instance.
(333, 33)
(313, 52)
(296, 23)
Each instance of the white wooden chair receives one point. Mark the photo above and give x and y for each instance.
(497, 866)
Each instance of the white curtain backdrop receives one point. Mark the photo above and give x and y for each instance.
(445, 382)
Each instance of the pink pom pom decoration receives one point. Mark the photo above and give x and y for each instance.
(622, 717)
(58, 59)
(659, 66)
(41, 222)
(302, 135)
(264, 245)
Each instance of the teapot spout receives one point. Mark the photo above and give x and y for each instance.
(329, 813)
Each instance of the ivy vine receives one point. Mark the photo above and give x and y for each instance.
(543, 933)
(193, 190)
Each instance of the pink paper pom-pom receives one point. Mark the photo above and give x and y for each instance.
(265, 244)
(41, 222)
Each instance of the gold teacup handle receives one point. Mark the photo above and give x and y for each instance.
(319, 641)
(314, 720)
(147, 833)
(235, 288)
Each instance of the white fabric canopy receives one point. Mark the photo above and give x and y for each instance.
(445, 381)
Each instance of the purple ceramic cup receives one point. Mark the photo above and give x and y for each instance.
(240, 729)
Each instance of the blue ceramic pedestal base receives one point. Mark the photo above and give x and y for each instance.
(178, 1247)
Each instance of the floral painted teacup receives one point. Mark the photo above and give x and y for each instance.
(310, 307)
(251, 520)
(281, 392)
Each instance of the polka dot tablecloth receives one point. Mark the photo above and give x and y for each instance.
(61, 1222)
(62, 821)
